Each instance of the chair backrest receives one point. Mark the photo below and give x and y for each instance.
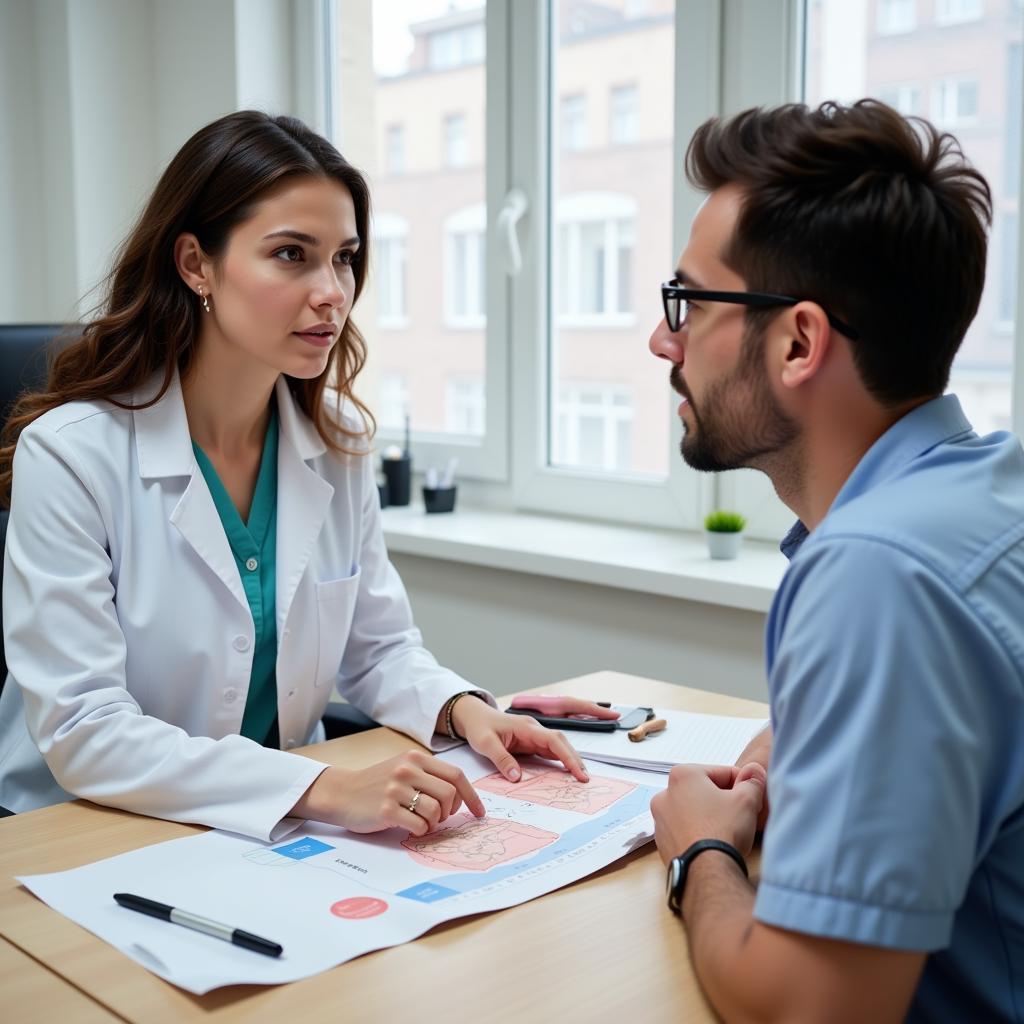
(23, 352)
(23, 364)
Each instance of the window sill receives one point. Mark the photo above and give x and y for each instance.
(662, 562)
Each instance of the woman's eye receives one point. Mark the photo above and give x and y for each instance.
(346, 257)
(290, 254)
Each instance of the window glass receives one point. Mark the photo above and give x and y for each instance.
(427, 110)
(611, 232)
(956, 63)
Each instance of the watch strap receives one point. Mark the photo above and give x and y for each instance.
(679, 868)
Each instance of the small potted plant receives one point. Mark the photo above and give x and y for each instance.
(724, 532)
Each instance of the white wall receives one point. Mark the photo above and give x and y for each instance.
(95, 98)
(509, 630)
(26, 147)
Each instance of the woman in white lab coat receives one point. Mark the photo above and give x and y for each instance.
(194, 557)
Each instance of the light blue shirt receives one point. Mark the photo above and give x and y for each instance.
(895, 650)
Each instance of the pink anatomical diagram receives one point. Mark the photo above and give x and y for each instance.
(554, 787)
(466, 843)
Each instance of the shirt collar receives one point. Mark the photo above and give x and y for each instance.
(163, 443)
(923, 428)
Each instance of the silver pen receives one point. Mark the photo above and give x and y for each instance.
(200, 924)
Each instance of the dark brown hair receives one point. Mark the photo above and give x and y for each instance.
(877, 217)
(149, 320)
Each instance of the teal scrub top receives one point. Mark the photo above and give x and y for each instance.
(254, 545)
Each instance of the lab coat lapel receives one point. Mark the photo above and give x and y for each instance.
(303, 498)
(164, 449)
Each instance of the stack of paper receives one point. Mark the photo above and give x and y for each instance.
(689, 739)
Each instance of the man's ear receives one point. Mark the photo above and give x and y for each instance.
(805, 345)
(193, 264)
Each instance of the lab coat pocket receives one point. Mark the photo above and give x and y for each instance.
(335, 606)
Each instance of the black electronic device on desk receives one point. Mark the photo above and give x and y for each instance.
(574, 713)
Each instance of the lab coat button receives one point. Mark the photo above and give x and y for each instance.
(240, 643)
(229, 695)
(290, 744)
(251, 564)
(291, 693)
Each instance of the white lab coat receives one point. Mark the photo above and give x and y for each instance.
(129, 639)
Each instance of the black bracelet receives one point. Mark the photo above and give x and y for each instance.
(449, 725)
(679, 868)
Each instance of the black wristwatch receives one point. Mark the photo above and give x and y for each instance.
(679, 867)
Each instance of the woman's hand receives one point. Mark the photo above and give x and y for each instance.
(385, 795)
(498, 736)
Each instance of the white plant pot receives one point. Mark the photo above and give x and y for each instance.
(724, 545)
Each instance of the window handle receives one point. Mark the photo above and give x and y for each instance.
(515, 206)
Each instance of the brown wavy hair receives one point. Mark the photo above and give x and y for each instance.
(878, 217)
(149, 320)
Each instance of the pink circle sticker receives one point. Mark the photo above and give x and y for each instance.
(358, 907)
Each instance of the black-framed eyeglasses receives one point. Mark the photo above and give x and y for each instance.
(674, 298)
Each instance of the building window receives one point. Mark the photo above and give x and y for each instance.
(904, 97)
(953, 12)
(624, 112)
(456, 145)
(393, 404)
(895, 16)
(574, 122)
(594, 427)
(394, 149)
(595, 259)
(956, 102)
(456, 47)
(465, 276)
(390, 269)
(464, 404)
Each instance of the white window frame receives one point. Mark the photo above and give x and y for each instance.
(729, 55)
(484, 458)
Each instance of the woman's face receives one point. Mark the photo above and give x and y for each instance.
(283, 290)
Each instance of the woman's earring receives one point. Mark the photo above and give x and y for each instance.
(206, 301)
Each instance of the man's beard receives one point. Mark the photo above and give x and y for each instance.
(739, 423)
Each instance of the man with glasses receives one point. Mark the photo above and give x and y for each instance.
(829, 279)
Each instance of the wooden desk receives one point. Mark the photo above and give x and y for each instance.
(603, 949)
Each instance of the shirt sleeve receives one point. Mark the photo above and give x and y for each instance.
(386, 671)
(66, 653)
(880, 757)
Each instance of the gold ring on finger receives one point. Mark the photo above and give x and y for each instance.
(416, 794)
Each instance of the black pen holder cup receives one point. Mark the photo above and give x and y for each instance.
(384, 492)
(398, 474)
(439, 499)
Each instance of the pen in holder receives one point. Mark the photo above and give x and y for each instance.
(439, 499)
(439, 488)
